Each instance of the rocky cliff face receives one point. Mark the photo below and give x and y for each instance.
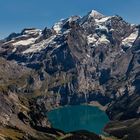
(78, 60)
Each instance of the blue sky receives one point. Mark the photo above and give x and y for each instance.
(18, 14)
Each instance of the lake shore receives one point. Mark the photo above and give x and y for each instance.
(97, 104)
(92, 103)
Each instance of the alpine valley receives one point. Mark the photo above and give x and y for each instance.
(94, 59)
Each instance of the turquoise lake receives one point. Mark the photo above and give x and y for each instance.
(80, 117)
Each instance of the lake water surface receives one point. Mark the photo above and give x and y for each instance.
(80, 117)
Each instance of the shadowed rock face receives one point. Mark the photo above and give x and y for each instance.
(126, 130)
(78, 60)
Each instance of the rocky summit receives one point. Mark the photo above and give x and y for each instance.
(79, 60)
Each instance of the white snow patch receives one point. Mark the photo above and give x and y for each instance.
(102, 27)
(91, 39)
(88, 55)
(33, 31)
(66, 32)
(102, 20)
(25, 42)
(130, 39)
(58, 26)
(39, 46)
(14, 50)
(57, 46)
(112, 30)
(102, 40)
(73, 18)
(95, 14)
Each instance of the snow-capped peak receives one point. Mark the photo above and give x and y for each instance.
(92, 15)
(58, 26)
(95, 14)
(73, 18)
(32, 31)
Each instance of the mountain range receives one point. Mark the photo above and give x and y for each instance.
(79, 60)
